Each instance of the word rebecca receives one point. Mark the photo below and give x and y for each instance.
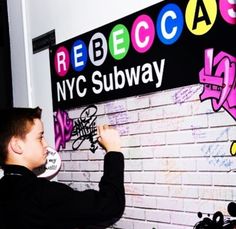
(199, 17)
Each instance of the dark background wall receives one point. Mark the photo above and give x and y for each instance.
(5, 63)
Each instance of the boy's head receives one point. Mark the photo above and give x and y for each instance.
(15, 126)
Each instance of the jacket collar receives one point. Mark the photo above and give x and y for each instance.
(17, 170)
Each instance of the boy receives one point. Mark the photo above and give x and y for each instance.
(28, 202)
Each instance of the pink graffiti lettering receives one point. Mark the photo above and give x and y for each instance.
(219, 79)
(63, 126)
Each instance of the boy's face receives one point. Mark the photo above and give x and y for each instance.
(34, 146)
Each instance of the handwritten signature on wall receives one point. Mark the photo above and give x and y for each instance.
(82, 128)
(219, 79)
(85, 128)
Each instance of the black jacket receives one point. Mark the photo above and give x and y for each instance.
(28, 202)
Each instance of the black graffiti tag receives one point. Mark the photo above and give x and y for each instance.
(85, 128)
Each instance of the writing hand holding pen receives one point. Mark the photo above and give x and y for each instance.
(109, 138)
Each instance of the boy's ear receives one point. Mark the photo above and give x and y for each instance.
(15, 145)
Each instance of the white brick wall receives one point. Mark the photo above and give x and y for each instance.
(177, 158)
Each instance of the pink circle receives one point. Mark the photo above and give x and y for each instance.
(142, 33)
(61, 61)
(227, 11)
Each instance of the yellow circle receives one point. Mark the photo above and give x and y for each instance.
(200, 17)
(233, 149)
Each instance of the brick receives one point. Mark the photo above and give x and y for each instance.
(150, 114)
(183, 192)
(98, 155)
(182, 110)
(182, 218)
(127, 177)
(133, 165)
(221, 119)
(194, 122)
(169, 177)
(232, 133)
(81, 176)
(197, 178)
(144, 202)
(140, 128)
(147, 177)
(180, 137)
(65, 155)
(75, 113)
(204, 206)
(79, 155)
(71, 166)
(164, 125)
(166, 151)
(213, 135)
(89, 165)
(134, 189)
(140, 152)
(104, 119)
(162, 98)
(124, 223)
(186, 94)
(216, 163)
(152, 139)
(181, 164)
(118, 118)
(216, 193)
(115, 106)
(134, 103)
(64, 176)
(130, 141)
(202, 107)
(154, 164)
(170, 204)
(211, 149)
(129, 200)
(100, 109)
(156, 190)
(158, 216)
(135, 213)
(226, 179)
(190, 150)
(95, 176)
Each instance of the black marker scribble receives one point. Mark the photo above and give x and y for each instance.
(85, 128)
(217, 222)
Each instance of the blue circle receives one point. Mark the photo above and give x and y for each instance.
(174, 23)
(79, 55)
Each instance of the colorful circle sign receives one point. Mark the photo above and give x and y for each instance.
(142, 33)
(119, 42)
(62, 61)
(170, 23)
(52, 166)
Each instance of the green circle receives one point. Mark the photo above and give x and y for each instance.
(119, 42)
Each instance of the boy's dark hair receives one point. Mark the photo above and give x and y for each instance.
(16, 122)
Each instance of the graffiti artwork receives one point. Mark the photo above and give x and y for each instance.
(233, 149)
(219, 79)
(85, 128)
(218, 221)
(63, 126)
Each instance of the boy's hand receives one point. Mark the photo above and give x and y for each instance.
(109, 138)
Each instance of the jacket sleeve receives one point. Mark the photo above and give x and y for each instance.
(90, 207)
